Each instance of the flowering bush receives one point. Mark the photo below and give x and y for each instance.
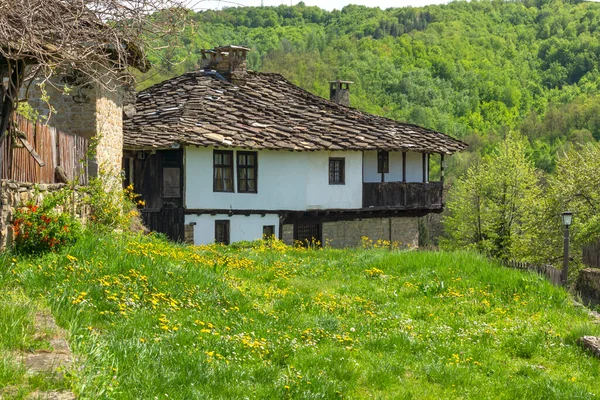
(110, 210)
(38, 229)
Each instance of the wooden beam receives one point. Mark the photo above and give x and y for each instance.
(404, 166)
(442, 178)
(405, 196)
(33, 153)
(424, 159)
(428, 166)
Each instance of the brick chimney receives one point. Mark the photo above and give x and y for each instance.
(229, 61)
(339, 92)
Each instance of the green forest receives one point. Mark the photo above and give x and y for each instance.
(475, 70)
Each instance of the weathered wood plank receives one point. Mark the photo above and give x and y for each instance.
(33, 153)
(402, 195)
(34, 156)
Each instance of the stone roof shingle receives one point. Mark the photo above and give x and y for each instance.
(268, 112)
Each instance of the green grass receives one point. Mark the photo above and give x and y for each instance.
(150, 319)
(19, 337)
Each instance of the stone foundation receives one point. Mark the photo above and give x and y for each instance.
(287, 234)
(189, 233)
(340, 234)
(403, 230)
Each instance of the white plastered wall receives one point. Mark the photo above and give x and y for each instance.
(241, 227)
(286, 181)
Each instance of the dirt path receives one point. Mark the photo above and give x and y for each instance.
(50, 364)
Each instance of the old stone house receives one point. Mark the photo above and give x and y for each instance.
(224, 154)
(38, 157)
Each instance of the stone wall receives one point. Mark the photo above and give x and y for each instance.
(188, 234)
(588, 286)
(287, 234)
(14, 195)
(87, 110)
(340, 234)
(109, 128)
(71, 109)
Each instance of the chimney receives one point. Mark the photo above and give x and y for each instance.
(229, 61)
(339, 92)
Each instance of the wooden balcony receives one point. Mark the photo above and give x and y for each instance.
(403, 196)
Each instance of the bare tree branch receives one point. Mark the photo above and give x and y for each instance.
(100, 39)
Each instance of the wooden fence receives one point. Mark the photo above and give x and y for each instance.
(31, 152)
(548, 271)
(591, 254)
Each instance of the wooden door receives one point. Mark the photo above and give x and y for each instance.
(158, 178)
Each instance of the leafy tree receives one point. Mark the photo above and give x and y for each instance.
(574, 187)
(487, 207)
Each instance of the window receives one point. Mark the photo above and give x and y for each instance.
(383, 162)
(268, 231)
(247, 167)
(336, 171)
(223, 171)
(222, 231)
(172, 182)
(308, 234)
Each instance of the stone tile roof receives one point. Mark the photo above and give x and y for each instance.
(268, 112)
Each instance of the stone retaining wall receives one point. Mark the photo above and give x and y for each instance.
(14, 195)
(588, 286)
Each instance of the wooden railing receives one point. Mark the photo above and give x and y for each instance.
(34, 150)
(409, 196)
(548, 271)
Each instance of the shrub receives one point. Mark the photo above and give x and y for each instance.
(43, 228)
(110, 210)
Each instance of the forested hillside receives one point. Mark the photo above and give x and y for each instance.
(475, 70)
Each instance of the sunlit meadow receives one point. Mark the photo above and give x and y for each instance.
(150, 319)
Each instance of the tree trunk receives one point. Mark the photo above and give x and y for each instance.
(15, 71)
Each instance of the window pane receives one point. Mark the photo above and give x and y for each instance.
(268, 231)
(246, 171)
(223, 170)
(336, 171)
(222, 232)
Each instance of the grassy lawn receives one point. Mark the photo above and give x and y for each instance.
(18, 337)
(149, 319)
